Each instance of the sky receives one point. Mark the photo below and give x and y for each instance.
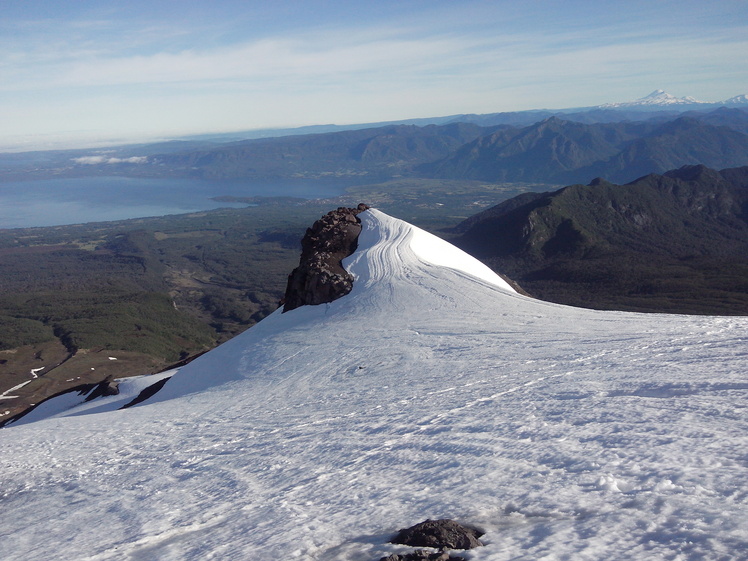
(103, 71)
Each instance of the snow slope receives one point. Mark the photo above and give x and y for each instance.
(432, 390)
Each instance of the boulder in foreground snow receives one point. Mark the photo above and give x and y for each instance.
(442, 533)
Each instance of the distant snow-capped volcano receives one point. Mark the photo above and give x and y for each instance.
(657, 98)
(431, 390)
(737, 100)
(660, 99)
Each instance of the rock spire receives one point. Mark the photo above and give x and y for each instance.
(320, 276)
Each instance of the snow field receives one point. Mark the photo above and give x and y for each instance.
(425, 393)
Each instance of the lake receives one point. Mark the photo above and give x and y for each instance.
(56, 202)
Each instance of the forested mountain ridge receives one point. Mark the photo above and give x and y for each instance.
(378, 152)
(559, 149)
(554, 150)
(673, 242)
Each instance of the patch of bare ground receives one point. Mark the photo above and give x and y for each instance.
(31, 374)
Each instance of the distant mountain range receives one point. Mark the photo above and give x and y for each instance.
(676, 241)
(561, 151)
(554, 150)
(617, 141)
(376, 152)
(658, 101)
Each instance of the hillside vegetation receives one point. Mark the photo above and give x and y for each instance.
(79, 304)
(555, 150)
(676, 242)
(82, 303)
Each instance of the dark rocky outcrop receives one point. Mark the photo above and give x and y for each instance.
(104, 388)
(147, 393)
(444, 533)
(320, 276)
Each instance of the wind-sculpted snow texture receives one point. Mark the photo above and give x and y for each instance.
(426, 392)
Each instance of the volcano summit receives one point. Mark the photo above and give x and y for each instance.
(431, 390)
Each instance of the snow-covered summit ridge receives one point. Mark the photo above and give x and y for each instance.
(389, 250)
(431, 249)
(396, 265)
(426, 392)
(662, 99)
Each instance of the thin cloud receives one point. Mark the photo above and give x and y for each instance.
(376, 53)
(137, 74)
(308, 58)
(95, 160)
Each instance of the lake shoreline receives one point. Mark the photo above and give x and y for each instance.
(38, 203)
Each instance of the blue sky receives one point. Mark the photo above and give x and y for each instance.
(96, 71)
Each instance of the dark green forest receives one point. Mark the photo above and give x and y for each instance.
(674, 243)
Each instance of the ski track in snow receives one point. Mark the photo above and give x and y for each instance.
(425, 393)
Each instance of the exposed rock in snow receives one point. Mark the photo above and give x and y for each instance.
(66, 399)
(147, 392)
(444, 533)
(108, 395)
(104, 388)
(320, 278)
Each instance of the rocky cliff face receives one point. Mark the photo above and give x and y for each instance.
(320, 276)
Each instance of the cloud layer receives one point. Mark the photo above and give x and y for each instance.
(95, 160)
